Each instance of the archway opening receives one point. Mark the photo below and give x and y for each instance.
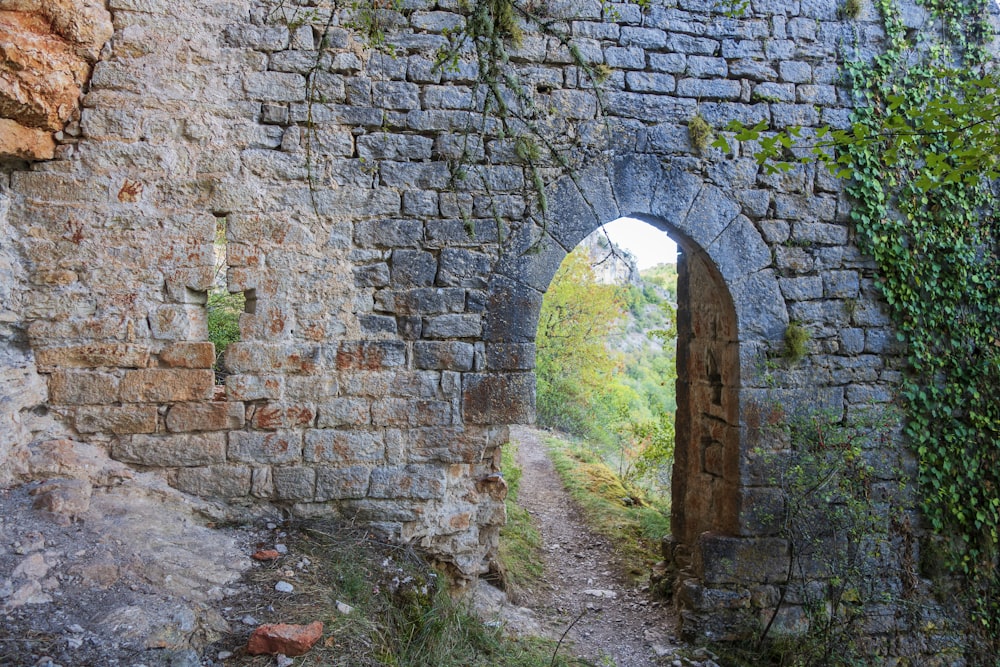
(641, 366)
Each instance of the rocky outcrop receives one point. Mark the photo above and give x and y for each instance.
(47, 51)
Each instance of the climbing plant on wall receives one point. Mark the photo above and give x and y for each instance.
(921, 156)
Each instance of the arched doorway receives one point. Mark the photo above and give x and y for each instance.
(730, 312)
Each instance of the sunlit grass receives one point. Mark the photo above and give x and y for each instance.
(623, 513)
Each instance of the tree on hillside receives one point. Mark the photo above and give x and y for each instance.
(574, 365)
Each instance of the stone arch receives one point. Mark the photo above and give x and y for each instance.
(730, 308)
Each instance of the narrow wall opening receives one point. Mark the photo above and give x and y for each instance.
(223, 307)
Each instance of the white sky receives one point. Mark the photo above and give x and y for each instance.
(650, 245)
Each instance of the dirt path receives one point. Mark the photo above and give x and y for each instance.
(621, 626)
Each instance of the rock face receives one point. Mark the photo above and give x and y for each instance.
(47, 51)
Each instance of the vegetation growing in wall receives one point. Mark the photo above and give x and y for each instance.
(921, 156)
(839, 550)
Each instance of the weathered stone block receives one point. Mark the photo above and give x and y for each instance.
(721, 559)
(275, 86)
(411, 481)
(83, 388)
(511, 312)
(709, 89)
(413, 268)
(489, 398)
(366, 355)
(119, 420)
(256, 447)
(211, 416)
(185, 450)
(343, 412)
(445, 355)
(342, 483)
(114, 355)
(510, 356)
(343, 447)
(25, 143)
(218, 481)
(294, 483)
(254, 387)
(188, 355)
(162, 385)
(261, 357)
(41, 75)
(452, 326)
(272, 416)
(407, 412)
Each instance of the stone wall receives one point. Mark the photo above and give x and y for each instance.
(388, 338)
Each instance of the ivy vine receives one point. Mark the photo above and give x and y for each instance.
(920, 155)
(926, 214)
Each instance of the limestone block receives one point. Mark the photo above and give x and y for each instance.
(341, 483)
(495, 398)
(424, 482)
(366, 355)
(294, 483)
(271, 416)
(194, 449)
(625, 57)
(254, 387)
(463, 268)
(722, 559)
(116, 355)
(260, 357)
(343, 412)
(40, 76)
(343, 447)
(275, 86)
(118, 420)
(188, 355)
(155, 385)
(84, 23)
(752, 69)
(217, 481)
(444, 355)
(724, 89)
(83, 388)
(406, 412)
(413, 268)
(258, 447)
(452, 326)
(650, 82)
(209, 416)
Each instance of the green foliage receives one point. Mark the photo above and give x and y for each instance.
(732, 8)
(574, 367)
(223, 311)
(926, 214)
(921, 153)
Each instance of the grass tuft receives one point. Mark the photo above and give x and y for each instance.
(402, 613)
(519, 556)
